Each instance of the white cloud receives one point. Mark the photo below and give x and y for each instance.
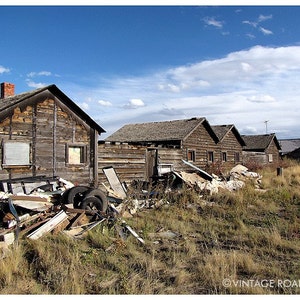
(263, 18)
(84, 106)
(134, 103)
(35, 85)
(246, 67)
(253, 24)
(260, 19)
(244, 88)
(104, 103)
(250, 36)
(261, 98)
(4, 70)
(42, 73)
(211, 21)
(265, 31)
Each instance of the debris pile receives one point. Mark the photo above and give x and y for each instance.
(33, 207)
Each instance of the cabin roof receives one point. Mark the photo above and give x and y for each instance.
(259, 142)
(289, 145)
(222, 130)
(8, 104)
(176, 130)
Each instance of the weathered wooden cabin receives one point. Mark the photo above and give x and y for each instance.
(290, 148)
(143, 151)
(262, 149)
(43, 132)
(230, 145)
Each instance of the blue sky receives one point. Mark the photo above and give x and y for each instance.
(130, 64)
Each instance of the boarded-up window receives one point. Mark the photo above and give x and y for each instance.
(191, 155)
(16, 154)
(270, 157)
(76, 154)
(236, 157)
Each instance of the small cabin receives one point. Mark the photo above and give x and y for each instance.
(263, 149)
(230, 145)
(145, 150)
(43, 132)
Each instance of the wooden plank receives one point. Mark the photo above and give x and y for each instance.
(114, 182)
(30, 198)
(204, 174)
(33, 205)
(49, 226)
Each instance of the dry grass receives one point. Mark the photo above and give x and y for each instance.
(192, 246)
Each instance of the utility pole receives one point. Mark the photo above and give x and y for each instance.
(266, 122)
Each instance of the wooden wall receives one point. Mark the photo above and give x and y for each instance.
(48, 128)
(270, 156)
(127, 160)
(231, 146)
(130, 161)
(202, 142)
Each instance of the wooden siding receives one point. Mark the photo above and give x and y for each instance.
(130, 160)
(201, 142)
(48, 129)
(230, 145)
(270, 156)
(127, 160)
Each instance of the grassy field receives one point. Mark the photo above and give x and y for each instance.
(245, 242)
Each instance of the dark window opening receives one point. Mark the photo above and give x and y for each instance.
(210, 156)
(191, 155)
(224, 156)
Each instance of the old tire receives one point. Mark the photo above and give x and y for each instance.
(99, 194)
(75, 195)
(94, 203)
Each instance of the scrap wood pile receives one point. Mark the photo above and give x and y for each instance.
(139, 196)
(57, 207)
(237, 178)
(31, 208)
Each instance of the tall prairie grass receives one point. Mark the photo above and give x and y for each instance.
(192, 244)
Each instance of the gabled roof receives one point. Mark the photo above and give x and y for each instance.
(8, 104)
(177, 130)
(259, 142)
(222, 130)
(289, 145)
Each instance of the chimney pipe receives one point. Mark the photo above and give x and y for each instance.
(7, 89)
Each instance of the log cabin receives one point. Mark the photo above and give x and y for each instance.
(263, 149)
(230, 146)
(44, 133)
(146, 150)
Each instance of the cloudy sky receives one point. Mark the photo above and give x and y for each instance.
(131, 64)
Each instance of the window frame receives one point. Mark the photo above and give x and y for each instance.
(270, 158)
(23, 159)
(191, 155)
(237, 157)
(224, 156)
(210, 156)
(82, 154)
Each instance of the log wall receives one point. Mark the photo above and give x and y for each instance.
(48, 129)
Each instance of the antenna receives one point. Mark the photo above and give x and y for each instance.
(266, 122)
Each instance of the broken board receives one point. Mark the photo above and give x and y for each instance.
(114, 182)
(49, 226)
(202, 173)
